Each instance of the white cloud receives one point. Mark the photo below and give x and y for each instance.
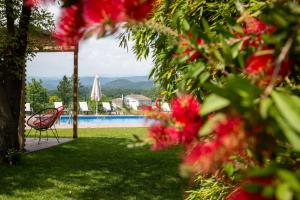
(102, 56)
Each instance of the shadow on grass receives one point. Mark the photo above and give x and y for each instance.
(94, 168)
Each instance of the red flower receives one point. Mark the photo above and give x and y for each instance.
(241, 194)
(228, 140)
(138, 9)
(186, 109)
(100, 11)
(257, 27)
(161, 136)
(71, 26)
(265, 63)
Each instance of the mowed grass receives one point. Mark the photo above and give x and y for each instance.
(98, 165)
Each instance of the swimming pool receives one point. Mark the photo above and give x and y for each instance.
(106, 120)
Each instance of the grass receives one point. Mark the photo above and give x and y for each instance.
(98, 165)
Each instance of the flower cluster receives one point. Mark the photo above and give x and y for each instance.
(182, 126)
(189, 50)
(262, 63)
(228, 139)
(97, 17)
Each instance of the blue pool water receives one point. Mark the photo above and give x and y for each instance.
(106, 120)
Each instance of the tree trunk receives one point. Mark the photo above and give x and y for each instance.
(11, 84)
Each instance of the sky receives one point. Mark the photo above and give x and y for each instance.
(96, 56)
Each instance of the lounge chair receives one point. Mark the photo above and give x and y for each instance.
(58, 104)
(83, 106)
(28, 108)
(106, 107)
(44, 120)
(166, 107)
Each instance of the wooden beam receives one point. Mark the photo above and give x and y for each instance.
(75, 94)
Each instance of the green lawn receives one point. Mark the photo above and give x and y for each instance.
(98, 165)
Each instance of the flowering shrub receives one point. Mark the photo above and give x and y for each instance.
(233, 80)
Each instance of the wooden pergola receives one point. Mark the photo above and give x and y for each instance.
(44, 42)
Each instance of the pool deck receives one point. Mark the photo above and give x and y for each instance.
(33, 144)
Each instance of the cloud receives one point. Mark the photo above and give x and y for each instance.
(102, 56)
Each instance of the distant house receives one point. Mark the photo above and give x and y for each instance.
(135, 101)
(118, 102)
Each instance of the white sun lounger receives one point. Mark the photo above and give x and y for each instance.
(106, 107)
(28, 108)
(84, 107)
(58, 104)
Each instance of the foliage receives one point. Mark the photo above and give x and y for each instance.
(37, 95)
(64, 90)
(209, 187)
(53, 99)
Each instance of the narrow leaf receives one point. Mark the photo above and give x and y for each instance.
(212, 103)
(287, 106)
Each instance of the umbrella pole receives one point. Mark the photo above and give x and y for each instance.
(96, 107)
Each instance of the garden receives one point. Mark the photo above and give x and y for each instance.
(230, 70)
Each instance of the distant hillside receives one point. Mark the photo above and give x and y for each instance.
(127, 84)
(134, 82)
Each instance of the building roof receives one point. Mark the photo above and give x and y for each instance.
(138, 97)
(117, 101)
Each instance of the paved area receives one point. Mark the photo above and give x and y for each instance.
(32, 144)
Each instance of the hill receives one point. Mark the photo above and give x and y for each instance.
(134, 82)
(127, 84)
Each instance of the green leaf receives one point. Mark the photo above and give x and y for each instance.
(288, 132)
(185, 25)
(204, 77)
(283, 192)
(208, 127)
(290, 179)
(235, 49)
(212, 103)
(229, 169)
(264, 107)
(288, 108)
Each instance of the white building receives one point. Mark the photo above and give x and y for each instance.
(135, 101)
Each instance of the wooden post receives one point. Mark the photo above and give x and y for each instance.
(75, 94)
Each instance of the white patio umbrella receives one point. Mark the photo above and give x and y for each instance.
(96, 92)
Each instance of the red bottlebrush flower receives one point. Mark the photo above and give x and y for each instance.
(242, 194)
(71, 25)
(186, 109)
(265, 63)
(257, 27)
(160, 135)
(100, 11)
(138, 9)
(193, 54)
(228, 140)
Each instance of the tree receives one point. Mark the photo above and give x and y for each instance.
(37, 95)
(15, 18)
(64, 90)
